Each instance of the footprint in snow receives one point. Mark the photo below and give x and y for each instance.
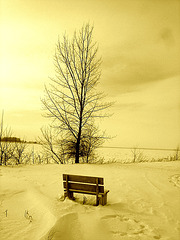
(175, 179)
(120, 225)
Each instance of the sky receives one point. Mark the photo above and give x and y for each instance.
(139, 45)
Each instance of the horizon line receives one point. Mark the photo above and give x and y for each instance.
(143, 148)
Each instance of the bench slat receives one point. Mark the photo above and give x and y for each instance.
(83, 187)
(84, 179)
(84, 192)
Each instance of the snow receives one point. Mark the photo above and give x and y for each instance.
(143, 203)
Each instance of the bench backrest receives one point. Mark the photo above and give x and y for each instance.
(91, 185)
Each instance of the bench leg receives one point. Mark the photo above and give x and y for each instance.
(103, 199)
(97, 200)
(69, 195)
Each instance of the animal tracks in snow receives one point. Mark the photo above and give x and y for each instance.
(175, 179)
(123, 227)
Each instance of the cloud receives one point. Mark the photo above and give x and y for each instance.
(132, 106)
(140, 45)
(166, 35)
(128, 66)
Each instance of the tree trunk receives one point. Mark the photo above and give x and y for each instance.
(78, 143)
(77, 151)
(79, 133)
(1, 160)
(78, 139)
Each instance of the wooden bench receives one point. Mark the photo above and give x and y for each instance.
(85, 185)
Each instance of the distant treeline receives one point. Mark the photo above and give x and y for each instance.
(14, 139)
(10, 139)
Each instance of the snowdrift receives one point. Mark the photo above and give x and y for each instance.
(143, 203)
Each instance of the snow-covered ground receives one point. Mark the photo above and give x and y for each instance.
(143, 203)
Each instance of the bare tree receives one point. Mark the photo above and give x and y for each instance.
(51, 146)
(92, 139)
(177, 155)
(71, 100)
(10, 147)
(19, 151)
(63, 148)
(7, 147)
(137, 155)
(1, 136)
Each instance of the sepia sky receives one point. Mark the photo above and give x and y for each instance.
(139, 44)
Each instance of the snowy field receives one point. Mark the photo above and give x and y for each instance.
(118, 155)
(143, 203)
